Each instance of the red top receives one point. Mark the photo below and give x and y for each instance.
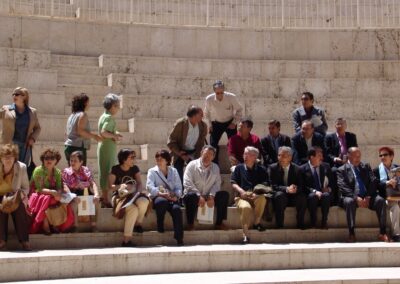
(236, 145)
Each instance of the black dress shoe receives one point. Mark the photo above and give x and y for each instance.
(160, 230)
(301, 227)
(138, 229)
(259, 228)
(396, 239)
(129, 244)
(180, 243)
(245, 241)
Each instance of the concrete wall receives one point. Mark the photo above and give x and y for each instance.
(80, 38)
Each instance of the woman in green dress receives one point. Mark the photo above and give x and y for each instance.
(107, 149)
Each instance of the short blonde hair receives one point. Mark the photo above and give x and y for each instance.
(24, 92)
(9, 149)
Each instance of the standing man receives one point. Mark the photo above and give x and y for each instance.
(223, 112)
(308, 111)
(272, 142)
(187, 138)
(358, 188)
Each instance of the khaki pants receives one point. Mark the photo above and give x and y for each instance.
(246, 210)
(135, 214)
(394, 217)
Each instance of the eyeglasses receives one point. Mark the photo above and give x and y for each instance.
(17, 95)
(49, 158)
(383, 155)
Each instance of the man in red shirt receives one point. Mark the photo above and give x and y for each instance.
(243, 138)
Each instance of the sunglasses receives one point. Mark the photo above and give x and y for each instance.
(17, 95)
(383, 155)
(49, 158)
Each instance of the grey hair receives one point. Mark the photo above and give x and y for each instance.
(218, 84)
(285, 149)
(252, 149)
(209, 147)
(110, 100)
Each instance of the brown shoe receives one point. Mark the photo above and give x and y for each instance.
(324, 226)
(190, 227)
(222, 227)
(2, 245)
(383, 238)
(352, 238)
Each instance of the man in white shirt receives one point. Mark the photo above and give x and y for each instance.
(223, 112)
(202, 187)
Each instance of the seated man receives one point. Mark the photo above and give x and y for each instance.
(304, 140)
(358, 188)
(287, 184)
(238, 142)
(244, 178)
(318, 183)
(187, 138)
(202, 184)
(271, 143)
(336, 145)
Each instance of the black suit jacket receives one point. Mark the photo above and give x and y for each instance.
(308, 177)
(275, 174)
(382, 184)
(332, 146)
(300, 148)
(346, 180)
(270, 154)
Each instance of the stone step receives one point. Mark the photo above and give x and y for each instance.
(295, 276)
(174, 86)
(372, 132)
(53, 127)
(28, 58)
(95, 92)
(263, 108)
(33, 79)
(79, 61)
(257, 69)
(207, 258)
(81, 79)
(77, 69)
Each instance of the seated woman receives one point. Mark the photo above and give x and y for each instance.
(165, 188)
(124, 176)
(14, 180)
(76, 178)
(46, 191)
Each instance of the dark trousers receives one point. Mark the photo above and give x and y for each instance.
(335, 190)
(21, 224)
(221, 201)
(68, 150)
(313, 202)
(378, 204)
(282, 200)
(218, 129)
(162, 205)
(179, 164)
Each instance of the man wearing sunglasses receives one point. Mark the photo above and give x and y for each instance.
(223, 112)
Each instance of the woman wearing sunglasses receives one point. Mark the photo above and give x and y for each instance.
(20, 124)
(46, 191)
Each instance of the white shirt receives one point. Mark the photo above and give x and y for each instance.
(286, 175)
(192, 137)
(223, 111)
(309, 142)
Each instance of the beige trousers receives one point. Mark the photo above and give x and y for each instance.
(394, 210)
(246, 210)
(135, 214)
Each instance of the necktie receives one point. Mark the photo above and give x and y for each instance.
(285, 176)
(316, 180)
(361, 185)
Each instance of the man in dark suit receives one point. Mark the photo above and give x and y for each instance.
(271, 143)
(304, 140)
(286, 182)
(337, 143)
(358, 188)
(187, 138)
(317, 178)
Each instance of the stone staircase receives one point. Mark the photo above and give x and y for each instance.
(160, 71)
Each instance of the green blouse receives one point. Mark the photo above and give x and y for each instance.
(41, 179)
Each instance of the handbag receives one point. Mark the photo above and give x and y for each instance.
(57, 214)
(261, 189)
(10, 202)
(31, 167)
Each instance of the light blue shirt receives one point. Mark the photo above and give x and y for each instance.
(155, 178)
